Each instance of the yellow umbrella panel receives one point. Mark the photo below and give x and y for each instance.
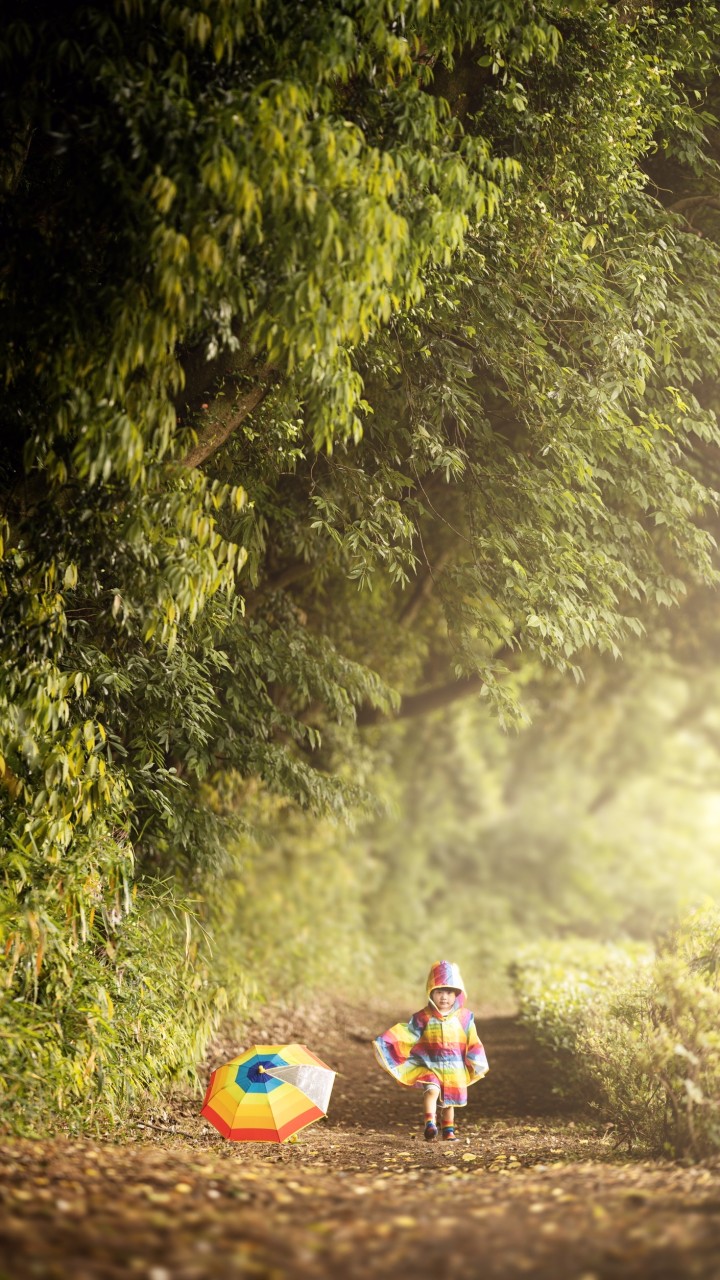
(268, 1093)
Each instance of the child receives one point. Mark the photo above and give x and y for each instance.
(438, 1050)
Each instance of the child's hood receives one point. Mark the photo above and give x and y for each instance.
(445, 974)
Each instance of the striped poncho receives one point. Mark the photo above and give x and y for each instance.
(434, 1048)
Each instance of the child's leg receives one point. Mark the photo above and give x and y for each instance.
(448, 1124)
(430, 1100)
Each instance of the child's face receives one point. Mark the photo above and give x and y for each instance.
(444, 998)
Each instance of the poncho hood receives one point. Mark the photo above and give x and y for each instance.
(445, 974)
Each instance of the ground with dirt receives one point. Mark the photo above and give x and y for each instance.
(529, 1189)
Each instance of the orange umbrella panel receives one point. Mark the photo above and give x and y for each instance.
(268, 1093)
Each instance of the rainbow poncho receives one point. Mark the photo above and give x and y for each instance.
(433, 1048)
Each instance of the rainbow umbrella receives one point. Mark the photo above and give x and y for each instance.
(268, 1093)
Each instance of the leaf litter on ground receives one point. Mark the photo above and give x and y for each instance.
(531, 1188)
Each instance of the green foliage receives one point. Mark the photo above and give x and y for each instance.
(379, 299)
(598, 818)
(558, 984)
(112, 1016)
(295, 906)
(639, 1040)
(182, 180)
(232, 204)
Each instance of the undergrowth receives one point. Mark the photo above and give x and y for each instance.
(635, 1036)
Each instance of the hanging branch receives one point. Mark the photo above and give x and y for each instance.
(695, 202)
(226, 415)
(420, 704)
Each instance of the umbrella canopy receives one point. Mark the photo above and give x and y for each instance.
(268, 1093)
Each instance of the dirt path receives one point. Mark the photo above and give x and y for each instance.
(530, 1190)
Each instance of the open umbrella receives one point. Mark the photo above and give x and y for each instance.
(268, 1093)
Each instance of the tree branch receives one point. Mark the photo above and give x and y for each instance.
(695, 202)
(276, 582)
(286, 577)
(456, 340)
(420, 704)
(423, 590)
(226, 416)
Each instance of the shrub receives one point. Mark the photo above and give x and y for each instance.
(636, 1037)
(130, 1010)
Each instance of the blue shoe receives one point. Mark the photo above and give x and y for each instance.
(430, 1131)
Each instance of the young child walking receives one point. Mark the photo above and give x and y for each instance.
(438, 1050)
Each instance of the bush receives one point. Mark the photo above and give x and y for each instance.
(94, 1018)
(636, 1037)
(131, 1010)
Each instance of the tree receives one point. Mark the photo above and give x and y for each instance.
(290, 306)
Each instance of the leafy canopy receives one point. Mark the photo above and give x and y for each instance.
(382, 297)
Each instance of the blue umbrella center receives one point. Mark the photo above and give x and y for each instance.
(252, 1079)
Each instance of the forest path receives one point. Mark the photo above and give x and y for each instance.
(529, 1190)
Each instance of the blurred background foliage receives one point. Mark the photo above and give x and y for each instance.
(359, 510)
